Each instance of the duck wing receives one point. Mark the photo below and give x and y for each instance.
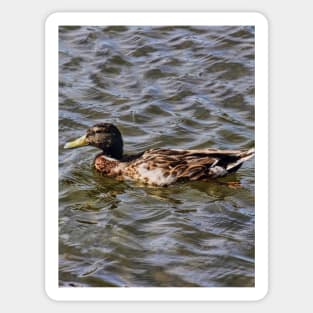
(165, 166)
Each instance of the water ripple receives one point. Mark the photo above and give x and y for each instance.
(177, 87)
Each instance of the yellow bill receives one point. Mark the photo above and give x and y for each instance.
(81, 141)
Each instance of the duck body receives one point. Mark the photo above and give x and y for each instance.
(159, 167)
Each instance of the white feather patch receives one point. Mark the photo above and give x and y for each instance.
(154, 176)
(108, 158)
(217, 171)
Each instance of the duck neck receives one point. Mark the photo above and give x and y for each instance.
(114, 153)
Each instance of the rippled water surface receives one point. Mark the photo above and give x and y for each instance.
(174, 87)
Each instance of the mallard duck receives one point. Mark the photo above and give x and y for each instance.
(160, 167)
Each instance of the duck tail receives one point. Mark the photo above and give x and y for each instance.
(243, 156)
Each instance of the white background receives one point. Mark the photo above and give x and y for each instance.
(22, 166)
(52, 173)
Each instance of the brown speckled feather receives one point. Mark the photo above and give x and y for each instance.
(109, 166)
(164, 166)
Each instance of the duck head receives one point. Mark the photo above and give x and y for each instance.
(104, 136)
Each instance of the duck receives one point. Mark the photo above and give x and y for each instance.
(157, 167)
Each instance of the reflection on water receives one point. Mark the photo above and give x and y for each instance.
(174, 87)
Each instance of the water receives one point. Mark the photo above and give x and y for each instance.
(174, 87)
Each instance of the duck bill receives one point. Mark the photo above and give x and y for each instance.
(80, 142)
